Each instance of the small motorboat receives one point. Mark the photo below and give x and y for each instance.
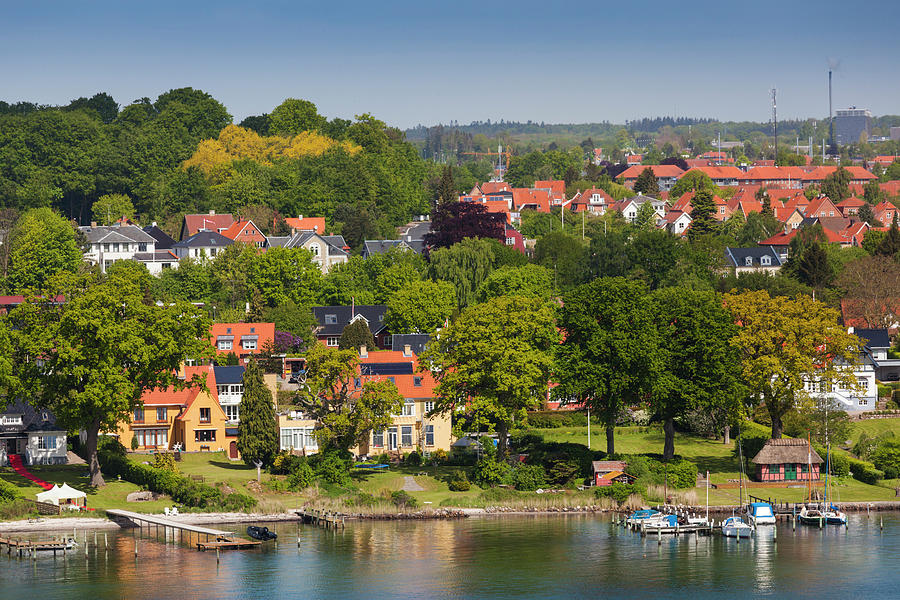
(734, 527)
(761, 513)
(638, 516)
(261, 533)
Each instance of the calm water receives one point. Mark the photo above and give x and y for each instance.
(494, 557)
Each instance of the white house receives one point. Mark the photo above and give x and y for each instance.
(202, 244)
(108, 244)
(32, 435)
(326, 250)
(859, 398)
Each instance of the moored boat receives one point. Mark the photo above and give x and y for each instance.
(734, 527)
(639, 516)
(814, 515)
(761, 513)
(261, 533)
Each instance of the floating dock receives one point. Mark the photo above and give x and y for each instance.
(21, 547)
(319, 517)
(207, 538)
(229, 544)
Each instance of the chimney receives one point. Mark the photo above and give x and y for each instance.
(153, 224)
(407, 350)
(300, 217)
(363, 353)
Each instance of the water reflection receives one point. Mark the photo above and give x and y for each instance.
(497, 557)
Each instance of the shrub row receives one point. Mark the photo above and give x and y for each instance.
(8, 492)
(113, 461)
(865, 471)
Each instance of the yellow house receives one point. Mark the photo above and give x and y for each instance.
(191, 419)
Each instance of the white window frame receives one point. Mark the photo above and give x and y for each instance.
(248, 344)
(226, 345)
(332, 341)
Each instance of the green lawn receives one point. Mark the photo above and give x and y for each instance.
(873, 427)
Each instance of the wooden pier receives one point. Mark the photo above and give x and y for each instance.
(206, 537)
(322, 518)
(21, 547)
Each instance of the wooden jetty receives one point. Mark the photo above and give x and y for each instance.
(320, 517)
(21, 547)
(207, 538)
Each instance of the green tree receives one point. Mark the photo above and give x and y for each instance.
(703, 221)
(495, 361)
(109, 208)
(699, 367)
(345, 412)
(258, 433)
(42, 244)
(814, 268)
(646, 183)
(646, 217)
(295, 116)
(890, 245)
(446, 191)
(282, 274)
(355, 335)
(564, 256)
(837, 185)
(532, 281)
(872, 193)
(100, 350)
(783, 343)
(420, 307)
(296, 320)
(692, 181)
(867, 215)
(608, 358)
(464, 264)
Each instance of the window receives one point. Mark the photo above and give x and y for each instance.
(429, 406)
(225, 344)
(331, 319)
(237, 389)
(357, 382)
(409, 408)
(222, 389)
(392, 380)
(204, 435)
(11, 421)
(204, 415)
(332, 340)
(748, 261)
(46, 442)
(314, 249)
(863, 382)
(766, 261)
(378, 438)
(106, 247)
(406, 435)
(417, 381)
(721, 210)
(161, 413)
(248, 344)
(166, 266)
(142, 247)
(115, 247)
(863, 402)
(139, 415)
(298, 437)
(429, 435)
(231, 412)
(510, 241)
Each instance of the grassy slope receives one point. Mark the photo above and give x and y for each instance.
(874, 427)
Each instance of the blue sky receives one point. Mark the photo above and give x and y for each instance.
(418, 62)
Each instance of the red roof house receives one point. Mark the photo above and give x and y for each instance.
(243, 339)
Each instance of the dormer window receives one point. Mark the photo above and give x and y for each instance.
(331, 319)
(314, 249)
(766, 261)
(748, 261)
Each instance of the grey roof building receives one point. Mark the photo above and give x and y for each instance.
(202, 243)
(31, 433)
(163, 240)
(111, 243)
(416, 342)
(327, 250)
(371, 247)
(757, 258)
(333, 319)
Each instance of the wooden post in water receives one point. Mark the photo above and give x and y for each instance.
(105, 541)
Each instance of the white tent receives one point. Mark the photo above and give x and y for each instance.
(62, 495)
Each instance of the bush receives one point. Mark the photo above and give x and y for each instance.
(617, 491)
(490, 472)
(887, 456)
(865, 471)
(382, 459)
(165, 461)
(523, 440)
(333, 469)
(285, 462)
(300, 478)
(8, 492)
(402, 499)
(414, 459)
(459, 482)
(752, 439)
(134, 443)
(528, 478)
(439, 456)
(562, 471)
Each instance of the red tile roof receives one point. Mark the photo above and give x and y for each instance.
(244, 229)
(495, 186)
(316, 224)
(216, 222)
(557, 188)
(540, 199)
(265, 333)
(406, 382)
(658, 171)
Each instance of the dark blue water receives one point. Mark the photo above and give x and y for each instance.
(492, 557)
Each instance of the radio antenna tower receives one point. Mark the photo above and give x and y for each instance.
(775, 122)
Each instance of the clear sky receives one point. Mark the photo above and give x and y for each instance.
(410, 62)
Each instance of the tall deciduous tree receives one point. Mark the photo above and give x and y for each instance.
(465, 265)
(345, 412)
(454, 221)
(608, 358)
(837, 185)
(564, 256)
(109, 208)
(494, 361)
(258, 433)
(528, 280)
(420, 307)
(646, 183)
(872, 285)
(295, 116)
(42, 244)
(786, 343)
(699, 367)
(91, 357)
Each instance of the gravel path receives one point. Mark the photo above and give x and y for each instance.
(410, 485)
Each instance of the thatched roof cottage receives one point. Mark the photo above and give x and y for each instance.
(787, 460)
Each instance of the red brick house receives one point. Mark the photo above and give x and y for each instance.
(246, 232)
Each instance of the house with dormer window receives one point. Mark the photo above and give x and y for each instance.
(760, 258)
(32, 435)
(332, 320)
(243, 339)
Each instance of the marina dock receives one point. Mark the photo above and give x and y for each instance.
(207, 538)
(320, 517)
(21, 547)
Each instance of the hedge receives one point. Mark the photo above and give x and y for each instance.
(865, 471)
(182, 489)
(8, 492)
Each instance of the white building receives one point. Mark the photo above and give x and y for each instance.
(112, 243)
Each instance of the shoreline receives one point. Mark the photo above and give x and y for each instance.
(89, 523)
